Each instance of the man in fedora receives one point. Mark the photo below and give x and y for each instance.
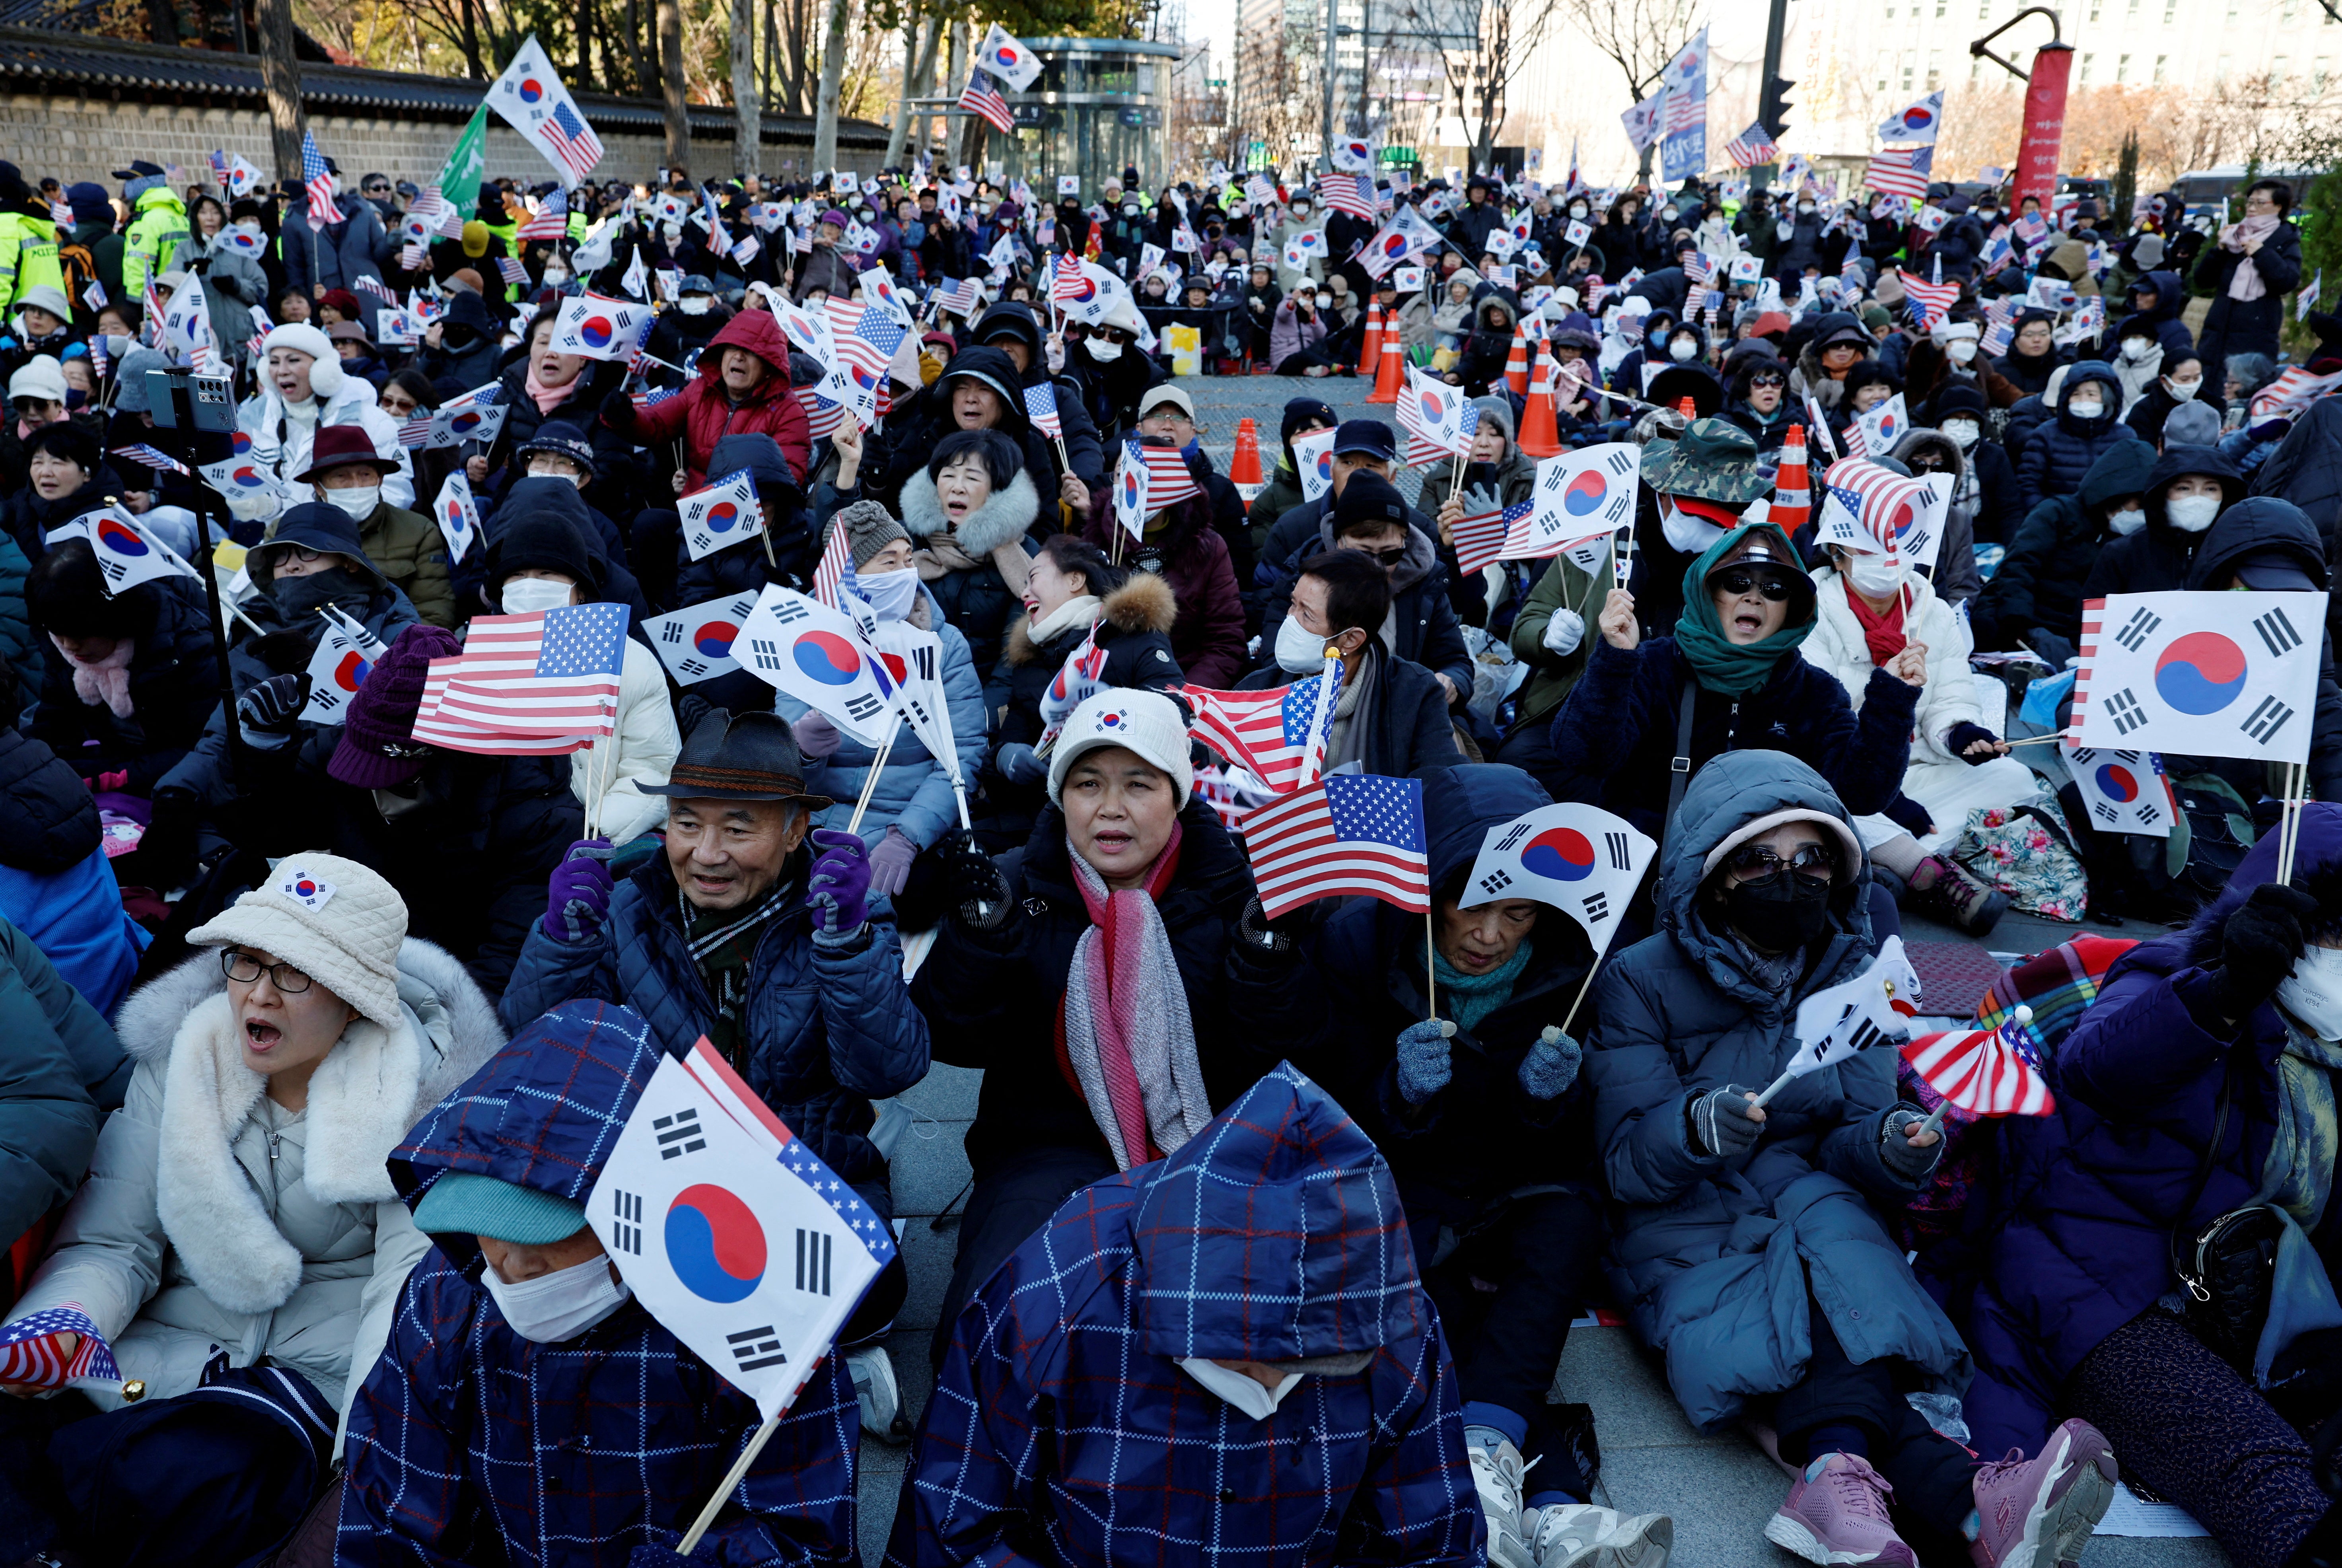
(755, 934)
(406, 547)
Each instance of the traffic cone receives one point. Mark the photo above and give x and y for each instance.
(1540, 435)
(1793, 496)
(1688, 408)
(1393, 372)
(1244, 467)
(1517, 364)
(1370, 357)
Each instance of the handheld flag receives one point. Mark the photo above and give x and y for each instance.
(981, 99)
(336, 670)
(1916, 126)
(30, 1353)
(457, 514)
(1276, 733)
(1984, 1071)
(1857, 1015)
(600, 328)
(318, 181)
(1580, 859)
(695, 643)
(2123, 792)
(127, 553)
(1751, 147)
(1355, 834)
(721, 516)
(2201, 674)
(804, 648)
(531, 98)
(1313, 461)
(550, 676)
(1579, 496)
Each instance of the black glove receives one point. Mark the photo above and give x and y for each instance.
(2258, 945)
(274, 705)
(1895, 1150)
(1721, 1122)
(1965, 735)
(977, 886)
(166, 850)
(1262, 933)
(1910, 816)
(618, 410)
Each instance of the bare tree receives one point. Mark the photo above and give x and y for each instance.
(833, 71)
(747, 103)
(671, 88)
(1640, 37)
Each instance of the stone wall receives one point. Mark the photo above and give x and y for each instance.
(87, 138)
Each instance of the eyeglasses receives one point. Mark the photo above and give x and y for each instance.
(1773, 585)
(1386, 558)
(1768, 381)
(244, 969)
(1757, 862)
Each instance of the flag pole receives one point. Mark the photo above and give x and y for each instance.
(732, 1478)
(1775, 1087)
(877, 765)
(1571, 1016)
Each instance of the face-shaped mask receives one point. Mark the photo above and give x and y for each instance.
(2192, 514)
(526, 595)
(560, 1305)
(2128, 521)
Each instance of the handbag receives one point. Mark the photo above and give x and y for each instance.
(2229, 1269)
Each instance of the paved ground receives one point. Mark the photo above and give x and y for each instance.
(1719, 1491)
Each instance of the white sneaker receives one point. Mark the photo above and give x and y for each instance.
(1496, 1474)
(878, 1394)
(1581, 1535)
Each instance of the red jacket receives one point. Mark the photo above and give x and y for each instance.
(706, 413)
(1209, 636)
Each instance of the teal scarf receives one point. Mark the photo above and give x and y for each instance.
(1727, 668)
(2297, 1179)
(1468, 998)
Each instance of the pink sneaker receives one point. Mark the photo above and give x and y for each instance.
(1838, 1514)
(2038, 1513)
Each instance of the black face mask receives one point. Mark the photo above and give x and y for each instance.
(1779, 914)
(299, 599)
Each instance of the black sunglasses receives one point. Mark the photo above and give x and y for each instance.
(1773, 585)
(1768, 381)
(1757, 862)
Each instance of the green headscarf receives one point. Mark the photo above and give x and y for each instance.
(1727, 668)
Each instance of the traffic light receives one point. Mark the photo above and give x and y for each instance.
(1773, 105)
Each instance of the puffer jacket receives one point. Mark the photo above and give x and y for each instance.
(65, 1071)
(2058, 455)
(56, 884)
(20, 646)
(2249, 326)
(1365, 1468)
(706, 413)
(2160, 557)
(51, 821)
(1713, 1258)
(828, 1026)
(172, 678)
(214, 1221)
(975, 599)
(2040, 580)
(2092, 1193)
(994, 998)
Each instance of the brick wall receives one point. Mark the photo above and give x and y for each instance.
(87, 138)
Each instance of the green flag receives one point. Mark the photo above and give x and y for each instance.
(467, 160)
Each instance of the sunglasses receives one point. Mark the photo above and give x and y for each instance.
(1773, 585)
(1768, 381)
(1386, 558)
(1757, 862)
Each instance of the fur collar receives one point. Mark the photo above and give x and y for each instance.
(1144, 603)
(365, 1097)
(1005, 515)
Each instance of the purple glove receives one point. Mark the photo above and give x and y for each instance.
(838, 891)
(577, 893)
(816, 737)
(890, 862)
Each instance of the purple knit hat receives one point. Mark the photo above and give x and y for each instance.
(379, 748)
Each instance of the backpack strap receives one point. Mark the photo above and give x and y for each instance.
(1678, 766)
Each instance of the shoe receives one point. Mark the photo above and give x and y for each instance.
(1497, 1474)
(1580, 1536)
(1949, 892)
(878, 1394)
(1836, 1512)
(2036, 1512)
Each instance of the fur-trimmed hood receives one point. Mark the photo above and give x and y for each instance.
(1145, 603)
(1005, 515)
(364, 1095)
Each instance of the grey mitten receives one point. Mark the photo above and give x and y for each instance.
(1551, 1065)
(1896, 1149)
(1721, 1122)
(1020, 763)
(1424, 1068)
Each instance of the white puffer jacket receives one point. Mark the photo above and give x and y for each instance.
(215, 1221)
(281, 439)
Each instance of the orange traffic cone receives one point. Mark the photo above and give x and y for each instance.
(1517, 364)
(1688, 408)
(1244, 467)
(1392, 372)
(1370, 357)
(1540, 435)
(1793, 496)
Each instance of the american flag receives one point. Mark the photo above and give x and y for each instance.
(572, 138)
(29, 1352)
(1260, 190)
(2294, 390)
(1067, 285)
(823, 415)
(99, 360)
(719, 238)
(513, 273)
(1168, 480)
(980, 97)
(1851, 272)
(959, 297)
(416, 430)
(1984, 1071)
(151, 457)
(1699, 267)
(1353, 834)
(1886, 505)
(528, 684)
(1480, 536)
(376, 288)
(319, 181)
(837, 565)
(156, 309)
(866, 340)
(551, 221)
(651, 397)
(1269, 731)
(1931, 302)
(1901, 171)
(1751, 147)
(1041, 407)
(1349, 193)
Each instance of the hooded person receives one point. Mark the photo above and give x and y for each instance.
(129, 674)
(1729, 675)
(467, 353)
(2179, 381)
(2197, 1087)
(1178, 543)
(786, 552)
(2186, 491)
(1099, 1054)
(1496, 322)
(1987, 484)
(407, 547)
(516, 1311)
(980, 389)
(2033, 352)
(1167, 1399)
(239, 1214)
(1481, 1110)
(2088, 420)
(2157, 298)
(1949, 357)
(1012, 327)
(1922, 450)
(158, 232)
(742, 388)
(969, 511)
(2037, 592)
(1839, 342)
(1746, 1239)
(304, 392)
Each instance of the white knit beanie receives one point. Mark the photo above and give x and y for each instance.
(1146, 723)
(337, 921)
(326, 375)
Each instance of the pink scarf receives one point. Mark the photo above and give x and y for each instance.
(548, 398)
(106, 681)
(1129, 1043)
(2245, 283)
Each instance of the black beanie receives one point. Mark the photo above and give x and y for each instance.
(541, 541)
(66, 592)
(1370, 500)
(1300, 412)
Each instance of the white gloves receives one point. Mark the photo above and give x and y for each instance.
(1564, 632)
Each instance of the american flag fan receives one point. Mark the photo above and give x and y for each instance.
(550, 221)
(1279, 735)
(981, 99)
(1751, 147)
(1901, 171)
(1353, 833)
(1984, 1071)
(1349, 193)
(318, 181)
(29, 1352)
(538, 684)
(866, 339)
(1931, 302)
(1041, 407)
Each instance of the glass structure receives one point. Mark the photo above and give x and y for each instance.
(1097, 108)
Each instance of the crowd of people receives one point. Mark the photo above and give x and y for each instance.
(319, 1031)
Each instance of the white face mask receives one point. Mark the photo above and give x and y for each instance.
(1686, 533)
(526, 595)
(1961, 349)
(1299, 651)
(2086, 409)
(2192, 514)
(1873, 575)
(2134, 348)
(556, 277)
(1804, 206)
(560, 1305)
(1667, 215)
(1300, 209)
(890, 594)
(563, 474)
(695, 305)
(1963, 432)
(1248, 1394)
(360, 500)
(1325, 302)
(1681, 349)
(2128, 521)
(1579, 211)
(671, 232)
(2312, 993)
(2183, 391)
(1103, 352)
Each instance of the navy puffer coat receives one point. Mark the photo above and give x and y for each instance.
(2058, 455)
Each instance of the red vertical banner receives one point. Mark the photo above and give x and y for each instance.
(2044, 124)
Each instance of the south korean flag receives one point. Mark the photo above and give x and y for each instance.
(2200, 674)
(695, 643)
(721, 516)
(2122, 792)
(1871, 1010)
(1579, 496)
(1579, 859)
